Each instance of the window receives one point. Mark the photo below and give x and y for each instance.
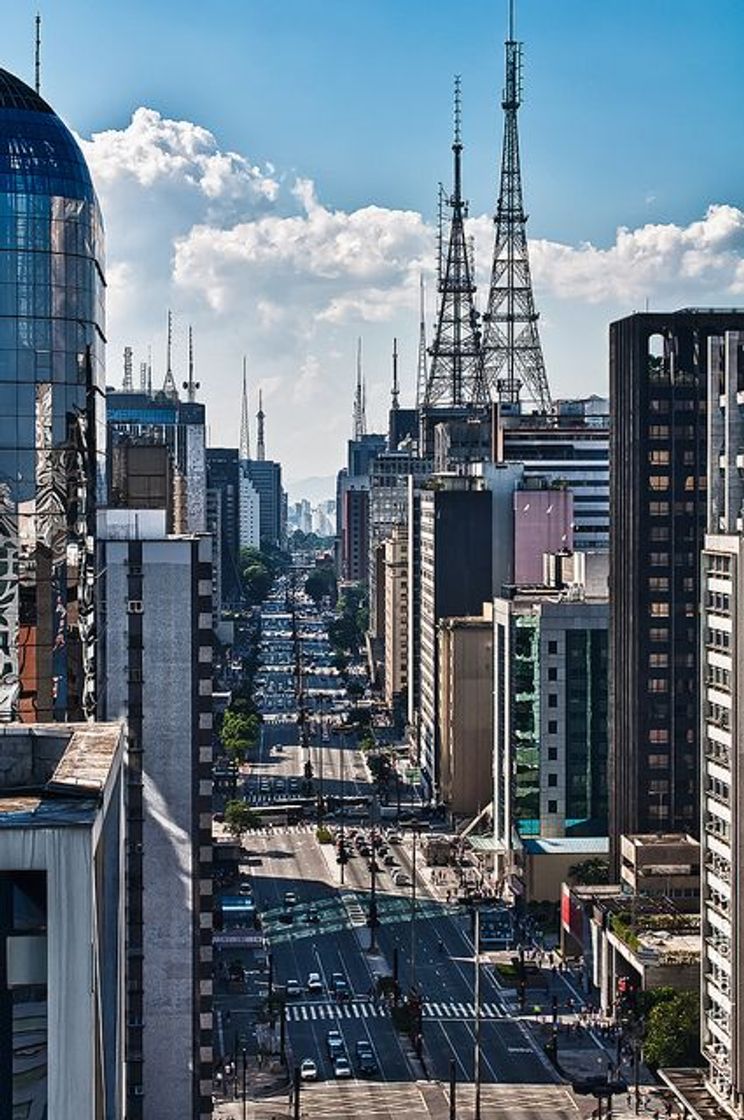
(552, 754)
(658, 431)
(658, 610)
(552, 674)
(658, 634)
(658, 684)
(659, 481)
(552, 779)
(552, 727)
(552, 647)
(658, 761)
(658, 458)
(659, 533)
(658, 406)
(552, 700)
(658, 583)
(659, 559)
(658, 509)
(552, 806)
(658, 660)
(658, 735)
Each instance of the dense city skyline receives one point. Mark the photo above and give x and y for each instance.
(319, 208)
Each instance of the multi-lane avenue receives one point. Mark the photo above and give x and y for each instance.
(322, 960)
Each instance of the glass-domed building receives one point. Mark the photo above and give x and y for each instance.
(52, 410)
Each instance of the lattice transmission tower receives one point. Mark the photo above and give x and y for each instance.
(512, 354)
(456, 373)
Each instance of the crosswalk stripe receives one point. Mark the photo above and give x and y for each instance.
(461, 1009)
(303, 1012)
(312, 1013)
(365, 1010)
(471, 1009)
(355, 1009)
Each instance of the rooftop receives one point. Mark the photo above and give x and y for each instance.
(567, 845)
(55, 773)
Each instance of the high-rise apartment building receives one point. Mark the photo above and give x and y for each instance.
(223, 485)
(396, 618)
(266, 477)
(52, 411)
(722, 656)
(155, 664)
(658, 391)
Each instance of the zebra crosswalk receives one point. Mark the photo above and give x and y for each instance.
(366, 1009)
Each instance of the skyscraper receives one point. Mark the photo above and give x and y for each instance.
(658, 467)
(52, 411)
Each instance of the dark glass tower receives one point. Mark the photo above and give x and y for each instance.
(52, 411)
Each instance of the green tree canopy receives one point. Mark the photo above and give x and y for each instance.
(240, 818)
(673, 1032)
(591, 872)
(320, 582)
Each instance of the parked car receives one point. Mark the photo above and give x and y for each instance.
(293, 988)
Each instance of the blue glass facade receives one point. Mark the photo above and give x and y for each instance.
(52, 411)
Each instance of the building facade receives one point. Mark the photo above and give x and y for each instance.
(465, 689)
(396, 618)
(223, 484)
(249, 511)
(722, 656)
(550, 716)
(161, 419)
(156, 672)
(266, 477)
(52, 411)
(62, 887)
(658, 387)
(454, 581)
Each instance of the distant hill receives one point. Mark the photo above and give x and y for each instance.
(316, 489)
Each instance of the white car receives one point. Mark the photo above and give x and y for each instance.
(341, 1067)
(314, 982)
(308, 1070)
(293, 988)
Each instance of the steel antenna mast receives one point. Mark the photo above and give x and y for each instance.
(456, 374)
(512, 354)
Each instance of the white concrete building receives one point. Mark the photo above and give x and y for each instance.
(722, 660)
(62, 945)
(155, 663)
(249, 511)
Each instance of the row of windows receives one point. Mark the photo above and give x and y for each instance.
(662, 509)
(718, 715)
(717, 675)
(719, 789)
(719, 563)
(661, 457)
(719, 639)
(718, 601)
(681, 404)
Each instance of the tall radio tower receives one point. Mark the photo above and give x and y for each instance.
(360, 398)
(512, 355)
(456, 373)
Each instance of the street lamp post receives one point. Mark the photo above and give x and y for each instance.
(413, 912)
(477, 1041)
(245, 1071)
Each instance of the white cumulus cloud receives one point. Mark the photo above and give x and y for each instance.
(262, 266)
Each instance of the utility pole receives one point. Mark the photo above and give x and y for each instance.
(342, 852)
(413, 912)
(452, 1090)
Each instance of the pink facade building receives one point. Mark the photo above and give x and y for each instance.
(543, 522)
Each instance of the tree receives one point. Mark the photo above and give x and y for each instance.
(673, 1032)
(591, 872)
(240, 818)
(239, 733)
(320, 582)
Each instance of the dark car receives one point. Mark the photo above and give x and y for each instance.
(339, 985)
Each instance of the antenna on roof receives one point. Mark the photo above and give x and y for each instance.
(191, 386)
(37, 55)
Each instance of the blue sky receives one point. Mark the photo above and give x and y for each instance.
(632, 118)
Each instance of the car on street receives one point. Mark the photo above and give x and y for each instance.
(401, 879)
(313, 914)
(290, 898)
(341, 1067)
(365, 1057)
(308, 1070)
(293, 988)
(339, 985)
(314, 982)
(334, 1043)
(390, 861)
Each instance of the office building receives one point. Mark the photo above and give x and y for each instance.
(388, 507)
(722, 654)
(465, 689)
(223, 485)
(155, 661)
(658, 386)
(396, 619)
(352, 507)
(249, 511)
(52, 421)
(550, 716)
(266, 478)
(144, 476)
(543, 525)
(62, 920)
(162, 419)
(569, 449)
(454, 581)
